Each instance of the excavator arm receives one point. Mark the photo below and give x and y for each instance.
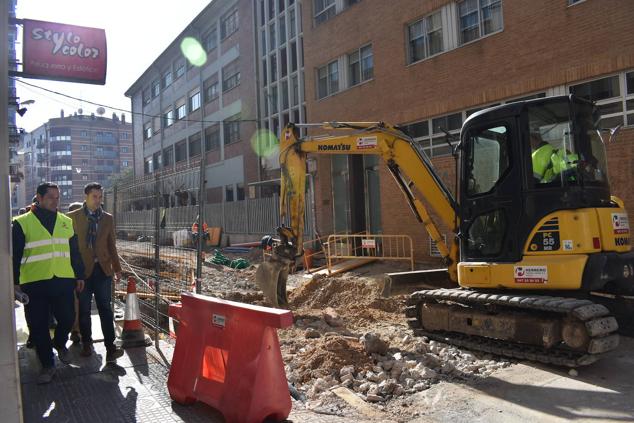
(409, 167)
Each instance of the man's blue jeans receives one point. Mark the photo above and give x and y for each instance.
(101, 286)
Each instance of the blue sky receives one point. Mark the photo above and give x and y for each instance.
(137, 31)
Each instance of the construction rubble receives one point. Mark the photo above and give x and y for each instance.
(347, 336)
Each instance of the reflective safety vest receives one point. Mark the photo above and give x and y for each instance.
(562, 162)
(542, 163)
(45, 255)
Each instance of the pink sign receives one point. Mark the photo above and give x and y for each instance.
(64, 52)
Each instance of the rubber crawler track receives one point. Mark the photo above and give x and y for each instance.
(600, 325)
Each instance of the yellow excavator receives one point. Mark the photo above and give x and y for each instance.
(541, 255)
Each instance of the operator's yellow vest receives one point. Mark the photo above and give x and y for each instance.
(45, 255)
(542, 163)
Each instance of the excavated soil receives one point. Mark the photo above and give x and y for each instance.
(329, 355)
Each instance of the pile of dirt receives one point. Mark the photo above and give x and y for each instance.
(357, 299)
(328, 355)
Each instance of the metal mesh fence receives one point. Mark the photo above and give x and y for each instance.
(155, 239)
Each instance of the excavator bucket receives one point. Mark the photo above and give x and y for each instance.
(271, 277)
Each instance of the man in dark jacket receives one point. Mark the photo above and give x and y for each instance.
(47, 267)
(95, 234)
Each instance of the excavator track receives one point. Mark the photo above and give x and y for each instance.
(599, 325)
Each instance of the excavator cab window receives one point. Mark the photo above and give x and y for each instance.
(488, 160)
(566, 145)
(592, 165)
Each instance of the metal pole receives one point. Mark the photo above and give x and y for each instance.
(157, 258)
(201, 220)
(201, 187)
(114, 218)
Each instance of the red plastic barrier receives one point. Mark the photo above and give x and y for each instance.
(228, 355)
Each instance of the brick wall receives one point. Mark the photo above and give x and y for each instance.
(544, 44)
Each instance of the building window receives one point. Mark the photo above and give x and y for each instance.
(180, 68)
(284, 94)
(211, 89)
(194, 145)
(228, 193)
(293, 48)
(167, 78)
(83, 148)
(283, 63)
(424, 38)
(328, 79)
(157, 160)
(168, 118)
(146, 96)
(211, 40)
(230, 76)
(229, 24)
(360, 66)
(181, 151)
(83, 134)
(281, 26)
(181, 110)
(273, 99)
(323, 10)
(273, 62)
(156, 88)
(614, 97)
(124, 135)
(292, 20)
(168, 154)
(147, 131)
(232, 129)
(294, 90)
(125, 163)
(272, 42)
(479, 18)
(147, 166)
(212, 138)
(124, 149)
(571, 2)
(194, 101)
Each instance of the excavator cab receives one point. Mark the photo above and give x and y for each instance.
(521, 162)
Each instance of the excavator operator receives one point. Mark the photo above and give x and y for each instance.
(549, 163)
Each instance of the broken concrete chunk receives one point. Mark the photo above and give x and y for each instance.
(332, 317)
(372, 343)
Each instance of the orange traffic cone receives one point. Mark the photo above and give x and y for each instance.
(133, 334)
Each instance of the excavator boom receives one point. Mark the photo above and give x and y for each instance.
(408, 166)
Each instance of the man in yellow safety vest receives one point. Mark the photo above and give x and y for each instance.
(548, 162)
(46, 263)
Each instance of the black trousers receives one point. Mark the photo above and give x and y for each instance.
(54, 295)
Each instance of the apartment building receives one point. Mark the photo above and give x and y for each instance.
(15, 171)
(72, 151)
(427, 65)
(185, 109)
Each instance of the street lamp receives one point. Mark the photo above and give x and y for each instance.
(22, 110)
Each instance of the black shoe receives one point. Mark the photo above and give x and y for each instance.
(46, 375)
(29, 343)
(112, 353)
(63, 354)
(86, 349)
